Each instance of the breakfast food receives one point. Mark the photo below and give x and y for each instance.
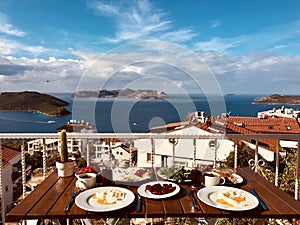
(131, 174)
(228, 174)
(142, 172)
(160, 189)
(110, 196)
(88, 169)
(179, 175)
(232, 199)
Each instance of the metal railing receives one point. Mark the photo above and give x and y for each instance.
(132, 137)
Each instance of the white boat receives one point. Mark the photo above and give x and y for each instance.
(51, 121)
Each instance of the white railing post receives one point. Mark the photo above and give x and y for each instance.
(23, 162)
(130, 153)
(152, 152)
(235, 154)
(277, 164)
(88, 151)
(3, 209)
(44, 159)
(195, 151)
(297, 170)
(256, 155)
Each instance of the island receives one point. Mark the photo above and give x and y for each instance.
(126, 93)
(278, 99)
(33, 102)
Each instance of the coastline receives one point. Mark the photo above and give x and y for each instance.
(34, 111)
(30, 101)
(276, 99)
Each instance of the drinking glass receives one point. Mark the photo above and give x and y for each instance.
(196, 176)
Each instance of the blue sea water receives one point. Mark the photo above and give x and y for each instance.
(128, 115)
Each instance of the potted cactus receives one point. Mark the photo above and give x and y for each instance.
(65, 167)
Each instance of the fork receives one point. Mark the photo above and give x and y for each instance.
(194, 202)
(72, 195)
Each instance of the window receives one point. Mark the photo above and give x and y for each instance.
(271, 127)
(288, 127)
(149, 157)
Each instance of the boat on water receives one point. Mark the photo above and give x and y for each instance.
(51, 121)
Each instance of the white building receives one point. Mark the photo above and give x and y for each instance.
(78, 126)
(184, 149)
(280, 112)
(10, 157)
(51, 145)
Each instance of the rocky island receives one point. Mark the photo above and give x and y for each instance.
(126, 93)
(278, 99)
(33, 101)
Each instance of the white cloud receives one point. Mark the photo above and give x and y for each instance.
(11, 47)
(281, 39)
(179, 36)
(215, 24)
(218, 44)
(102, 8)
(140, 21)
(52, 75)
(7, 28)
(133, 69)
(255, 73)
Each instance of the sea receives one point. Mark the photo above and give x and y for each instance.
(132, 115)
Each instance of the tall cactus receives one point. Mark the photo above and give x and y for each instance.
(63, 146)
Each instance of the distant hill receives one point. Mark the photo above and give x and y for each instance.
(33, 101)
(279, 99)
(126, 93)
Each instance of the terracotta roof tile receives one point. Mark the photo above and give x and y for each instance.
(168, 127)
(267, 125)
(253, 125)
(7, 155)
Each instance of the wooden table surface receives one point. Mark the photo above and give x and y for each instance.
(49, 199)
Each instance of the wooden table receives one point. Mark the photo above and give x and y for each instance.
(49, 199)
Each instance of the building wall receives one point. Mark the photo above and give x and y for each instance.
(7, 185)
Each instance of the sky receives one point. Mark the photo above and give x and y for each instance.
(224, 46)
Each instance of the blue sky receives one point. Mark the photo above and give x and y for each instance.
(63, 46)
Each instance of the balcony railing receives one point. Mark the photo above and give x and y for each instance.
(132, 137)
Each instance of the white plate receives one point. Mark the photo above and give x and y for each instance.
(128, 174)
(209, 195)
(238, 178)
(159, 173)
(142, 190)
(85, 201)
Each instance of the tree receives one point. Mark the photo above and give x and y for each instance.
(245, 153)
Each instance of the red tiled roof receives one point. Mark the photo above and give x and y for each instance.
(253, 125)
(269, 125)
(168, 127)
(7, 155)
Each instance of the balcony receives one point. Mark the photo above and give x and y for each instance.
(154, 157)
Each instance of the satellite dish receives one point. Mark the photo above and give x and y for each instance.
(213, 144)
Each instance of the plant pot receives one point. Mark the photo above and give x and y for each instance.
(65, 169)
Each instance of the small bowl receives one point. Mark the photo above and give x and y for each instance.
(86, 180)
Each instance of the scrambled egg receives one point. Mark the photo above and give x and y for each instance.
(111, 196)
(232, 199)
